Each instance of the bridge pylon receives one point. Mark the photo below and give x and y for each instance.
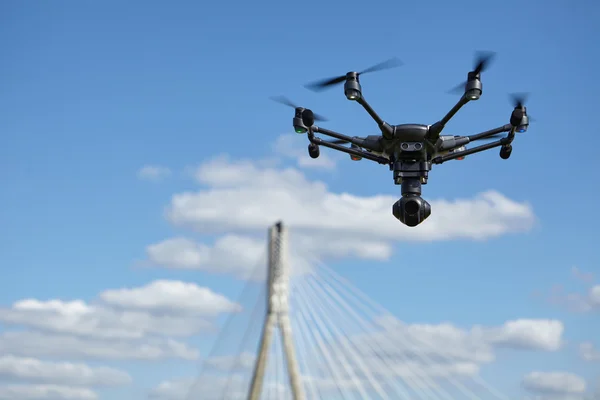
(277, 316)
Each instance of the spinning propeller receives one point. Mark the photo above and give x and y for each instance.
(483, 60)
(518, 99)
(327, 83)
(285, 101)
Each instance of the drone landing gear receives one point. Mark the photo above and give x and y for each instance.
(313, 150)
(505, 152)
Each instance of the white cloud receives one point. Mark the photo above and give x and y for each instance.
(60, 373)
(45, 392)
(241, 198)
(244, 196)
(474, 345)
(244, 360)
(127, 323)
(576, 302)
(554, 383)
(235, 387)
(153, 173)
(589, 352)
(78, 318)
(586, 277)
(214, 387)
(141, 311)
(230, 254)
(38, 344)
(173, 297)
(594, 296)
(535, 334)
(175, 389)
(210, 387)
(295, 147)
(322, 245)
(245, 256)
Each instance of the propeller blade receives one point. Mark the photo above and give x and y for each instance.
(326, 83)
(387, 64)
(283, 100)
(458, 89)
(483, 60)
(287, 102)
(518, 100)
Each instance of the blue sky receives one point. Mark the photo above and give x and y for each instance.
(94, 91)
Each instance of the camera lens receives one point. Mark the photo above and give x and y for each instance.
(412, 207)
(411, 211)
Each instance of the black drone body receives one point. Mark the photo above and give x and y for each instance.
(409, 150)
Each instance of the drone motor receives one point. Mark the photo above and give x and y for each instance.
(519, 117)
(303, 117)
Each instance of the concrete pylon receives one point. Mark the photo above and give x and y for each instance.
(277, 316)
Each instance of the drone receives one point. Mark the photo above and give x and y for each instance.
(409, 150)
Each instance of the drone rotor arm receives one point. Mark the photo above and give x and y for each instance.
(434, 130)
(504, 142)
(490, 133)
(386, 129)
(337, 141)
(464, 153)
(353, 152)
(358, 141)
(461, 102)
(459, 141)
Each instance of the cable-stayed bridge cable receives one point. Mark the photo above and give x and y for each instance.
(423, 357)
(382, 361)
(363, 300)
(225, 330)
(323, 319)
